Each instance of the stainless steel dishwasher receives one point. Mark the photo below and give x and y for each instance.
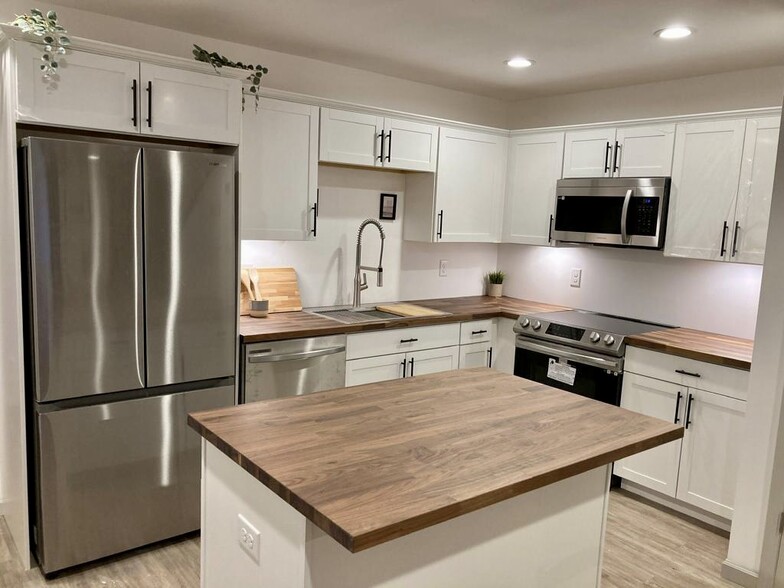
(293, 368)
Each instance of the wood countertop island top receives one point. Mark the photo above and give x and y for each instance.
(372, 463)
(708, 347)
(292, 325)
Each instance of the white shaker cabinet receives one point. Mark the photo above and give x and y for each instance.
(705, 173)
(709, 458)
(535, 163)
(190, 105)
(91, 91)
(476, 355)
(356, 138)
(432, 361)
(588, 153)
(375, 369)
(752, 211)
(279, 170)
(644, 151)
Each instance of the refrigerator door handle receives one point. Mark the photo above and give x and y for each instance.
(138, 271)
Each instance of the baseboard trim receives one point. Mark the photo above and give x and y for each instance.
(705, 518)
(738, 574)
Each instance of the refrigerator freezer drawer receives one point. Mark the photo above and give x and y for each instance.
(116, 476)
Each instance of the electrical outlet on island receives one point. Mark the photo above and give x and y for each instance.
(576, 277)
(442, 268)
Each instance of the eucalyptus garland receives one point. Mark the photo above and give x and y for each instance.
(216, 60)
(46, 29)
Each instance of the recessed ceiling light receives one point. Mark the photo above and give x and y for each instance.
(678, 32)
(519, 62)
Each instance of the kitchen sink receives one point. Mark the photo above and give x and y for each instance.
(350, 316)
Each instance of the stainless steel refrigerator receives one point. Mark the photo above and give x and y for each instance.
(131, 302)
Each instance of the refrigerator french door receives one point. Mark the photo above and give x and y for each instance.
(131, 301)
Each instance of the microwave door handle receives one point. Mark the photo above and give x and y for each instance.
(625, 215)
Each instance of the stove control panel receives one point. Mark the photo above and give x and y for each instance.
(538, 327)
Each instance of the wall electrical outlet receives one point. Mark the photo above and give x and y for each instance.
(249, 538)
(442, 268)
(576, 277)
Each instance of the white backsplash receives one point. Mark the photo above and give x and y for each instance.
(325, 267)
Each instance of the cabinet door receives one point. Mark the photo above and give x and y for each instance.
(475, 355)
(709, 459)
(350, 137)
(588, 153)
(750, 229)
(278, 170)
(431, 361)
(470, 186)
(504, 349)
(410, 145)
(375, 369)
(705, 171)
(535, 163)
(656, 468)
(644, 151)
(191, 105)
(90, 92)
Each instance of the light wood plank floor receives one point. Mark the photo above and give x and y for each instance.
(645, 547)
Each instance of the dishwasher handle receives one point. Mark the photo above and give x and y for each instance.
(266, 356)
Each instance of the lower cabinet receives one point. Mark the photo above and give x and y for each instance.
(476, 355)
(401, 365)
(700, 469)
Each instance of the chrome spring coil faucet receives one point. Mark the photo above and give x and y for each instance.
(361, 283)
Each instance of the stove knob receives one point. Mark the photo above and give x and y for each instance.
(537, 325)
(524, 322)
(595, 337)
(609, 339)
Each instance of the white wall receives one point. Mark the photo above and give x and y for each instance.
(710, 296)
(325, 267)
(753, 88)
(287, 72)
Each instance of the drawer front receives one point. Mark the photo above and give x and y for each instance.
(712, 378)
(477, 331)
(401, 340)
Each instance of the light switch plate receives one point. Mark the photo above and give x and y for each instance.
(576, 277)
(249, 538)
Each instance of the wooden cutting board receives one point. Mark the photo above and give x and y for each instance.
(403, 309)
(280, 286)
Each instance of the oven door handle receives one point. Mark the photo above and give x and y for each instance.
(613, 364)
(625, 215)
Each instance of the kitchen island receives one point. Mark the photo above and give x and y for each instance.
(464, 478)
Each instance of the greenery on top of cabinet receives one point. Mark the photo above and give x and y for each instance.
(216, 60)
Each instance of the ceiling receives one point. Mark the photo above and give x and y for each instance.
(462, 44)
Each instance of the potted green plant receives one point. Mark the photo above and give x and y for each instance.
(495, 283)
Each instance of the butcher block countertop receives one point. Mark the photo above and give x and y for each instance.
(293, 325)
(372, 463)
(709, 347)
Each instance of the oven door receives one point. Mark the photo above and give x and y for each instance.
(590, 375)
(616, 211)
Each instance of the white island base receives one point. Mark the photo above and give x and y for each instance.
(548, 537)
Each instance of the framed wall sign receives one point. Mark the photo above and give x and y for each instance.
(388, 208)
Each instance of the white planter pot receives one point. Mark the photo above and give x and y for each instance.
(495, 290)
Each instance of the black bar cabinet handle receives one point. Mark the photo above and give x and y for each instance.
(607, 158)
(616, 159)
(724, 239)
(381, 136)
(688, 410)
(735, 239)
(685, 373)
(480, 332)
(403, 363)
(677, 406)
(149, 104)
(411, 361)
(490, 357)
(440, 231)
(135, 118)
(314, 208)
(389, 146)
(409, 340)
(550, 230)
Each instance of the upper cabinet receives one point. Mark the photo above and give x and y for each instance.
(534, 168)
(356, 138)
(463, 201)
(722, 184)
(105, 93)
(633, 151)
(279, 170)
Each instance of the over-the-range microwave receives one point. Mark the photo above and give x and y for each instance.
(624, 212)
